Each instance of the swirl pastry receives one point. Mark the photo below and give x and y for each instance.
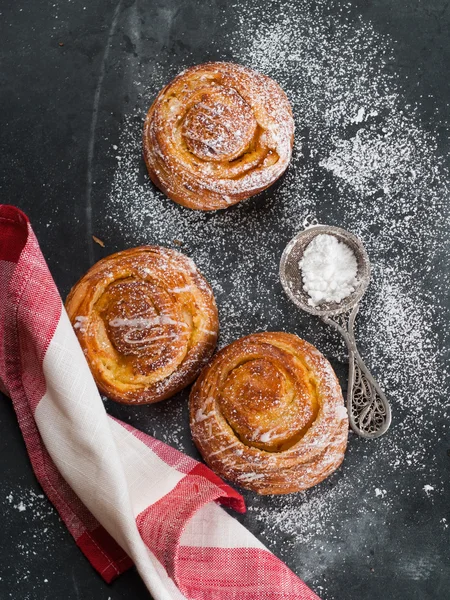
(147, 322)
(217, 134)
(267, 413)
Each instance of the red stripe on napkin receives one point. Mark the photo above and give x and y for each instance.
(14, 233)
(108, 564)
(237, 574)
(161, 524)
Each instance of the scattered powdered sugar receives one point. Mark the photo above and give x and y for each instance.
(361, 161)
(29, 524)
(27, 500)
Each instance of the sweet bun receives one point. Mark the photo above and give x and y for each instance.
(147, 322)
(267, 413)
(217, 134)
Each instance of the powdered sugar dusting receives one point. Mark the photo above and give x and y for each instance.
(29, 524)
(363, 162)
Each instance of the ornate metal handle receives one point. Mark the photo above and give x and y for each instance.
(369, 411)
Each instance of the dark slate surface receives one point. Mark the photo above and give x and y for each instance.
(48, 164)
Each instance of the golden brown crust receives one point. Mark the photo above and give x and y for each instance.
(217, 134)
(147, 322)
(267, 413)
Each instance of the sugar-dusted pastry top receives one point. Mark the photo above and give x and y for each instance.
(267, 413)
(147, 322)
(217, 134)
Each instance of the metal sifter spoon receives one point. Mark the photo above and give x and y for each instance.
(368, 409)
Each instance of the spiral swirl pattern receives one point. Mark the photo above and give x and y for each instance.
(267, 413)
(147, 322)
(217, 134)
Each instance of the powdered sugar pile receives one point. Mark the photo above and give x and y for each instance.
(362, 162)
(329, 270)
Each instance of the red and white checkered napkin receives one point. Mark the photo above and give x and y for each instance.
(125, 497)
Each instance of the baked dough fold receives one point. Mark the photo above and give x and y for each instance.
(217, 134)
(267, 413)
(147, 322)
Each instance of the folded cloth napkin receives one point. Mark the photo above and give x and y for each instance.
(124, 496)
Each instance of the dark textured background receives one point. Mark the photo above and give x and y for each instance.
(49, 166)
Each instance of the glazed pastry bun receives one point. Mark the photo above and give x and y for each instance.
(147, 322)
(267, 413)
(217, 134)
